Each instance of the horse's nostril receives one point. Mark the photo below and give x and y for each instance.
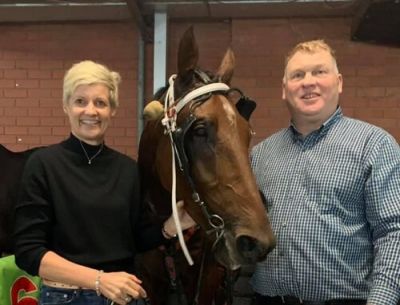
(251, 249)
(246, 243)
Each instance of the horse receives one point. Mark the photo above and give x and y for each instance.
(199, 127)
(12, 164)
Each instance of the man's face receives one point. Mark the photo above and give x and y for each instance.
(311, 86)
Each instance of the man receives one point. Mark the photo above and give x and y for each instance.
(332, 186)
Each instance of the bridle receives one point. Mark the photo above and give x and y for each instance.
(177, 135)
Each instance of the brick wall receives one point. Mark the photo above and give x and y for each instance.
(33, 58)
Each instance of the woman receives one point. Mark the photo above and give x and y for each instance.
(80, 220)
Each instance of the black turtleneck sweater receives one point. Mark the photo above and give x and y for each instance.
(90, 214)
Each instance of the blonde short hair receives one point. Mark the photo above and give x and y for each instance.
(312, 46)
(88, 72)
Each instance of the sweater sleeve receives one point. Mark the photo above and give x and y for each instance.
(33, 216)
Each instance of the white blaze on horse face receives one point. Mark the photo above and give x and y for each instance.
(230, 113)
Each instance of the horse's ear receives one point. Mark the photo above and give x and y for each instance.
(188, 53)
(225, 70)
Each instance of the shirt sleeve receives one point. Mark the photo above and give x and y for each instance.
(33, 216)
(382, 197)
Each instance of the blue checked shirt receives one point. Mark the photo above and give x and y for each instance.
(333, 199)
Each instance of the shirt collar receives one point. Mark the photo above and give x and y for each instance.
(316, 134)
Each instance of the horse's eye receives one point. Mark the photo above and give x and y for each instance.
(200, 130)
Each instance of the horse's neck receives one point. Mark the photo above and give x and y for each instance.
(4, 151)
(6, 154)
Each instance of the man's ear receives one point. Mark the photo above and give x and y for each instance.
(340, 83)
(113, 112)
(65, 109)
(283, 89)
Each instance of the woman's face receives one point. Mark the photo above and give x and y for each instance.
(89, 111)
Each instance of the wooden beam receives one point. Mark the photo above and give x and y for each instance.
(358, 16)
(137, 16)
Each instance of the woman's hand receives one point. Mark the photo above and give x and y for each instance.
(121, 287)
(169, 228)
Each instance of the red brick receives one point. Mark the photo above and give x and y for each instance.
(40, 112)
(17, 147)
(15, 74)
(371, 71)
(131, 152)
(7, 83)
(31, 103)
(384, 123)
(28, 139)
(7, 139)
(58, 74)
(7, 121)
(58, 111)
(7, 64)
(125, 141)
(52, 121)
(368, 113)
(48, 140)
(61, 131)
(51, 64)
(15, 112)
(7, 102)
(41, 93)
(23, 83)
(12, 130)
(28, 121)
(131, 132)
(50, 102)
(42, 130)
(39, 74)
(393, 91)
(116, 131)
(15, 93)
(371, 91)
(391, 113)
(50, 84)
(57, 93)
(27, 64)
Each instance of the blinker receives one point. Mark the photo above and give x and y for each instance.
(245, 106)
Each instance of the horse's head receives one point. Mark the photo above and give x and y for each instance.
(211, 141)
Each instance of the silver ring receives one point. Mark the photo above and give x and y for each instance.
(128, 299)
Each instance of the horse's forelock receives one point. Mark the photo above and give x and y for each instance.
(160, 93)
